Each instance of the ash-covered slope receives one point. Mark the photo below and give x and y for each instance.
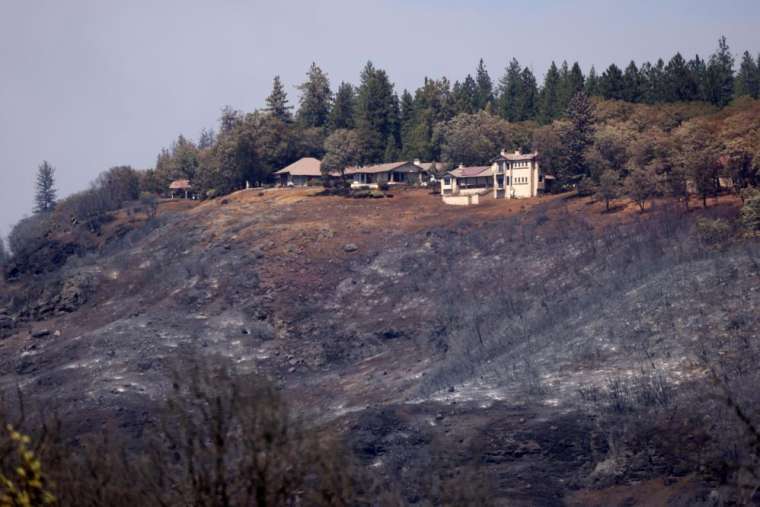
(434, 336)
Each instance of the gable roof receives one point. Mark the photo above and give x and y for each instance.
(471, 172)
(179, 185)
(381, 168)
(306, 166)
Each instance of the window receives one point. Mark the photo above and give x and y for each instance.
(447, 180)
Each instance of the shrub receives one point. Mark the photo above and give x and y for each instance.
(713, 232)
(29, 234)
(750, 212)
(22, 482)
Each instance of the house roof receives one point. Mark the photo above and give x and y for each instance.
(517, 156)
(179, 185)
(380, 168)
(306, 166)
(471, 172)
(427, 166)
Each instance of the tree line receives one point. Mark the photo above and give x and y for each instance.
(371, 123)
(568, 119)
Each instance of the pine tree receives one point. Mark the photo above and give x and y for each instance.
(316, 98)
(342, 114)
(206, 139)
(611, 83)
(592, 83)
(698, 72)
(392, 153)
(3, 253)
(277, 102)
(377, 112)
(484, 88)
(510, 92)
(653, 82)
(748, 78)
(549, 99)
(528, 103)
(406, 120)
(632, 83)
(44, 197)
(465, 96)
(720, 75)
(679, 83)
(579, 136)
(575, 80)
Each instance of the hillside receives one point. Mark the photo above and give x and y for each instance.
(562, 350)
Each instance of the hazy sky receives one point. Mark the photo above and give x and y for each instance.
(88, 85)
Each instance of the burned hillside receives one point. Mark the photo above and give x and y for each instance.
(565, 352)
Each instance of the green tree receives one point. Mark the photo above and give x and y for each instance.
(465, 96)
(609, 187)
(592, 83)
(511, 92)
(720, 75)
(316, 98)
(277, 102)
(484, 87)
(528, 105)
(45, 192)
(473, 139)
(342, 150)
(206, 139)
(549, 98)
(632, 83)
(342, 114)
(698, 70)
(570, 82)
(579, 136)
(640, 185)
(679, 81)
(748, 78)
(3, 253)
(653, 77)
(377, 113)
(611, 83)
(392, 152)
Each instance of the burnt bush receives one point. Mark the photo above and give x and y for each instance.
(222, 439)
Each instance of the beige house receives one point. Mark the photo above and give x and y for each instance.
(511, 175)
(391, 173)
(300, 173)
(517, 175)
(467, 180)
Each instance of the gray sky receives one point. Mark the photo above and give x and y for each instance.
(88, 85)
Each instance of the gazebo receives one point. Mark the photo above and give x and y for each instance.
(181, 185)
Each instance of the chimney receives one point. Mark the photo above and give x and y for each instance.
(461, 166)
(417, 161)
(503, 153)
(517, 152)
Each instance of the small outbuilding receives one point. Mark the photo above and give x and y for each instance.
(179, 186)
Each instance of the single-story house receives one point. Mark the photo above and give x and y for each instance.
(391, 173)
(518, 175)
(300, 173)
(467, 180)
(179, 186)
